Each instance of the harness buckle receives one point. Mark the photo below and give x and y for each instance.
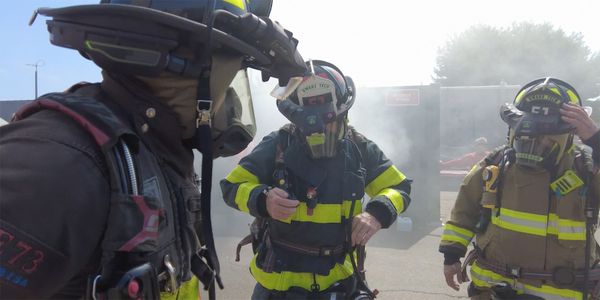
(323, 251)
(514, 271)
(169, 276)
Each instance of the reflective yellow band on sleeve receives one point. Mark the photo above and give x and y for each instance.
(247, 182)
(454, 233)
(238, 3)
(243, 195)
(395, 197)
(388, 178)
(239, 174)
(284, 280)
(484, 278)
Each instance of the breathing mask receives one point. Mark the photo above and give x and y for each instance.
(319, 106)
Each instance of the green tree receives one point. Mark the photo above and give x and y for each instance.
(485, 55)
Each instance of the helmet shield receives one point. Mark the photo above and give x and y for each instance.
(234, 125)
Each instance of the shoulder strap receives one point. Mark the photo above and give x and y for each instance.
(99, 121)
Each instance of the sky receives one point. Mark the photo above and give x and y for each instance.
(378, 43)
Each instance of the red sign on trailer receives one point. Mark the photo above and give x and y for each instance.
(401, 97)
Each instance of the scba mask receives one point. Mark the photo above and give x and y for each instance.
(537, 133)
(319, 107)
(540, 151)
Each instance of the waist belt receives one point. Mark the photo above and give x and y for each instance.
(306, 250)
(561, 276)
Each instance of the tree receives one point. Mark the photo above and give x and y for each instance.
(485, 55)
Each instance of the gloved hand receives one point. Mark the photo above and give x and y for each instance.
(364, 226)
(454, 270)
(578, 117)
(279, 206)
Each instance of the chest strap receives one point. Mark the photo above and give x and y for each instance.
(306, 250)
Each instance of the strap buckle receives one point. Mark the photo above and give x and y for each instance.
(513, 271)
(326, 251)
(203, 110)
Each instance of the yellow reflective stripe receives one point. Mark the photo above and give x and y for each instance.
(247, 182)
(237, 3)
(566, 229)
(453, 238)
(485, 278)
(520, 221)
(324, 213)
(240, 174)
(390, 177)
(459, 230)
(243, 195)
(456, 234)
(540, 225)
(395, 197)
(284, 280)
(188, 290)
(346, 208)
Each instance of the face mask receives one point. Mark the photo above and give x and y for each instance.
(541, 151)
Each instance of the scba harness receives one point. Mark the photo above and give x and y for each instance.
(135, 262)
(265, 243)
(577, 177)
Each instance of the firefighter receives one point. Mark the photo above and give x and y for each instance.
(99, 197)
(304, 184)
(531, 205)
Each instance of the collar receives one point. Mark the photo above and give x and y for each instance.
(153, 121)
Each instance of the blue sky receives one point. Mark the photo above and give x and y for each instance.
(378, 43)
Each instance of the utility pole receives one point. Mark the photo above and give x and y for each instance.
(37, 64)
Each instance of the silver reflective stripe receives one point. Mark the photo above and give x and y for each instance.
(519, 287)
(522, 222)
(456, 234)
(571, 229)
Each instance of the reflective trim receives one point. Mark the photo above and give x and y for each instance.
(566, 229)
(520, 221)
(284, 280)
(540, 225)
(240, 174)
(395, 197)
(187, 290)
(456, 234)
(485, 278)
(390, 177)
(238, 3)
(247, 182)
(324, 213)
(243, 195)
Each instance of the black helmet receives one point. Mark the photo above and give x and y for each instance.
(537, 132)
(140, 37)
(536, 108)
(319, 106)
